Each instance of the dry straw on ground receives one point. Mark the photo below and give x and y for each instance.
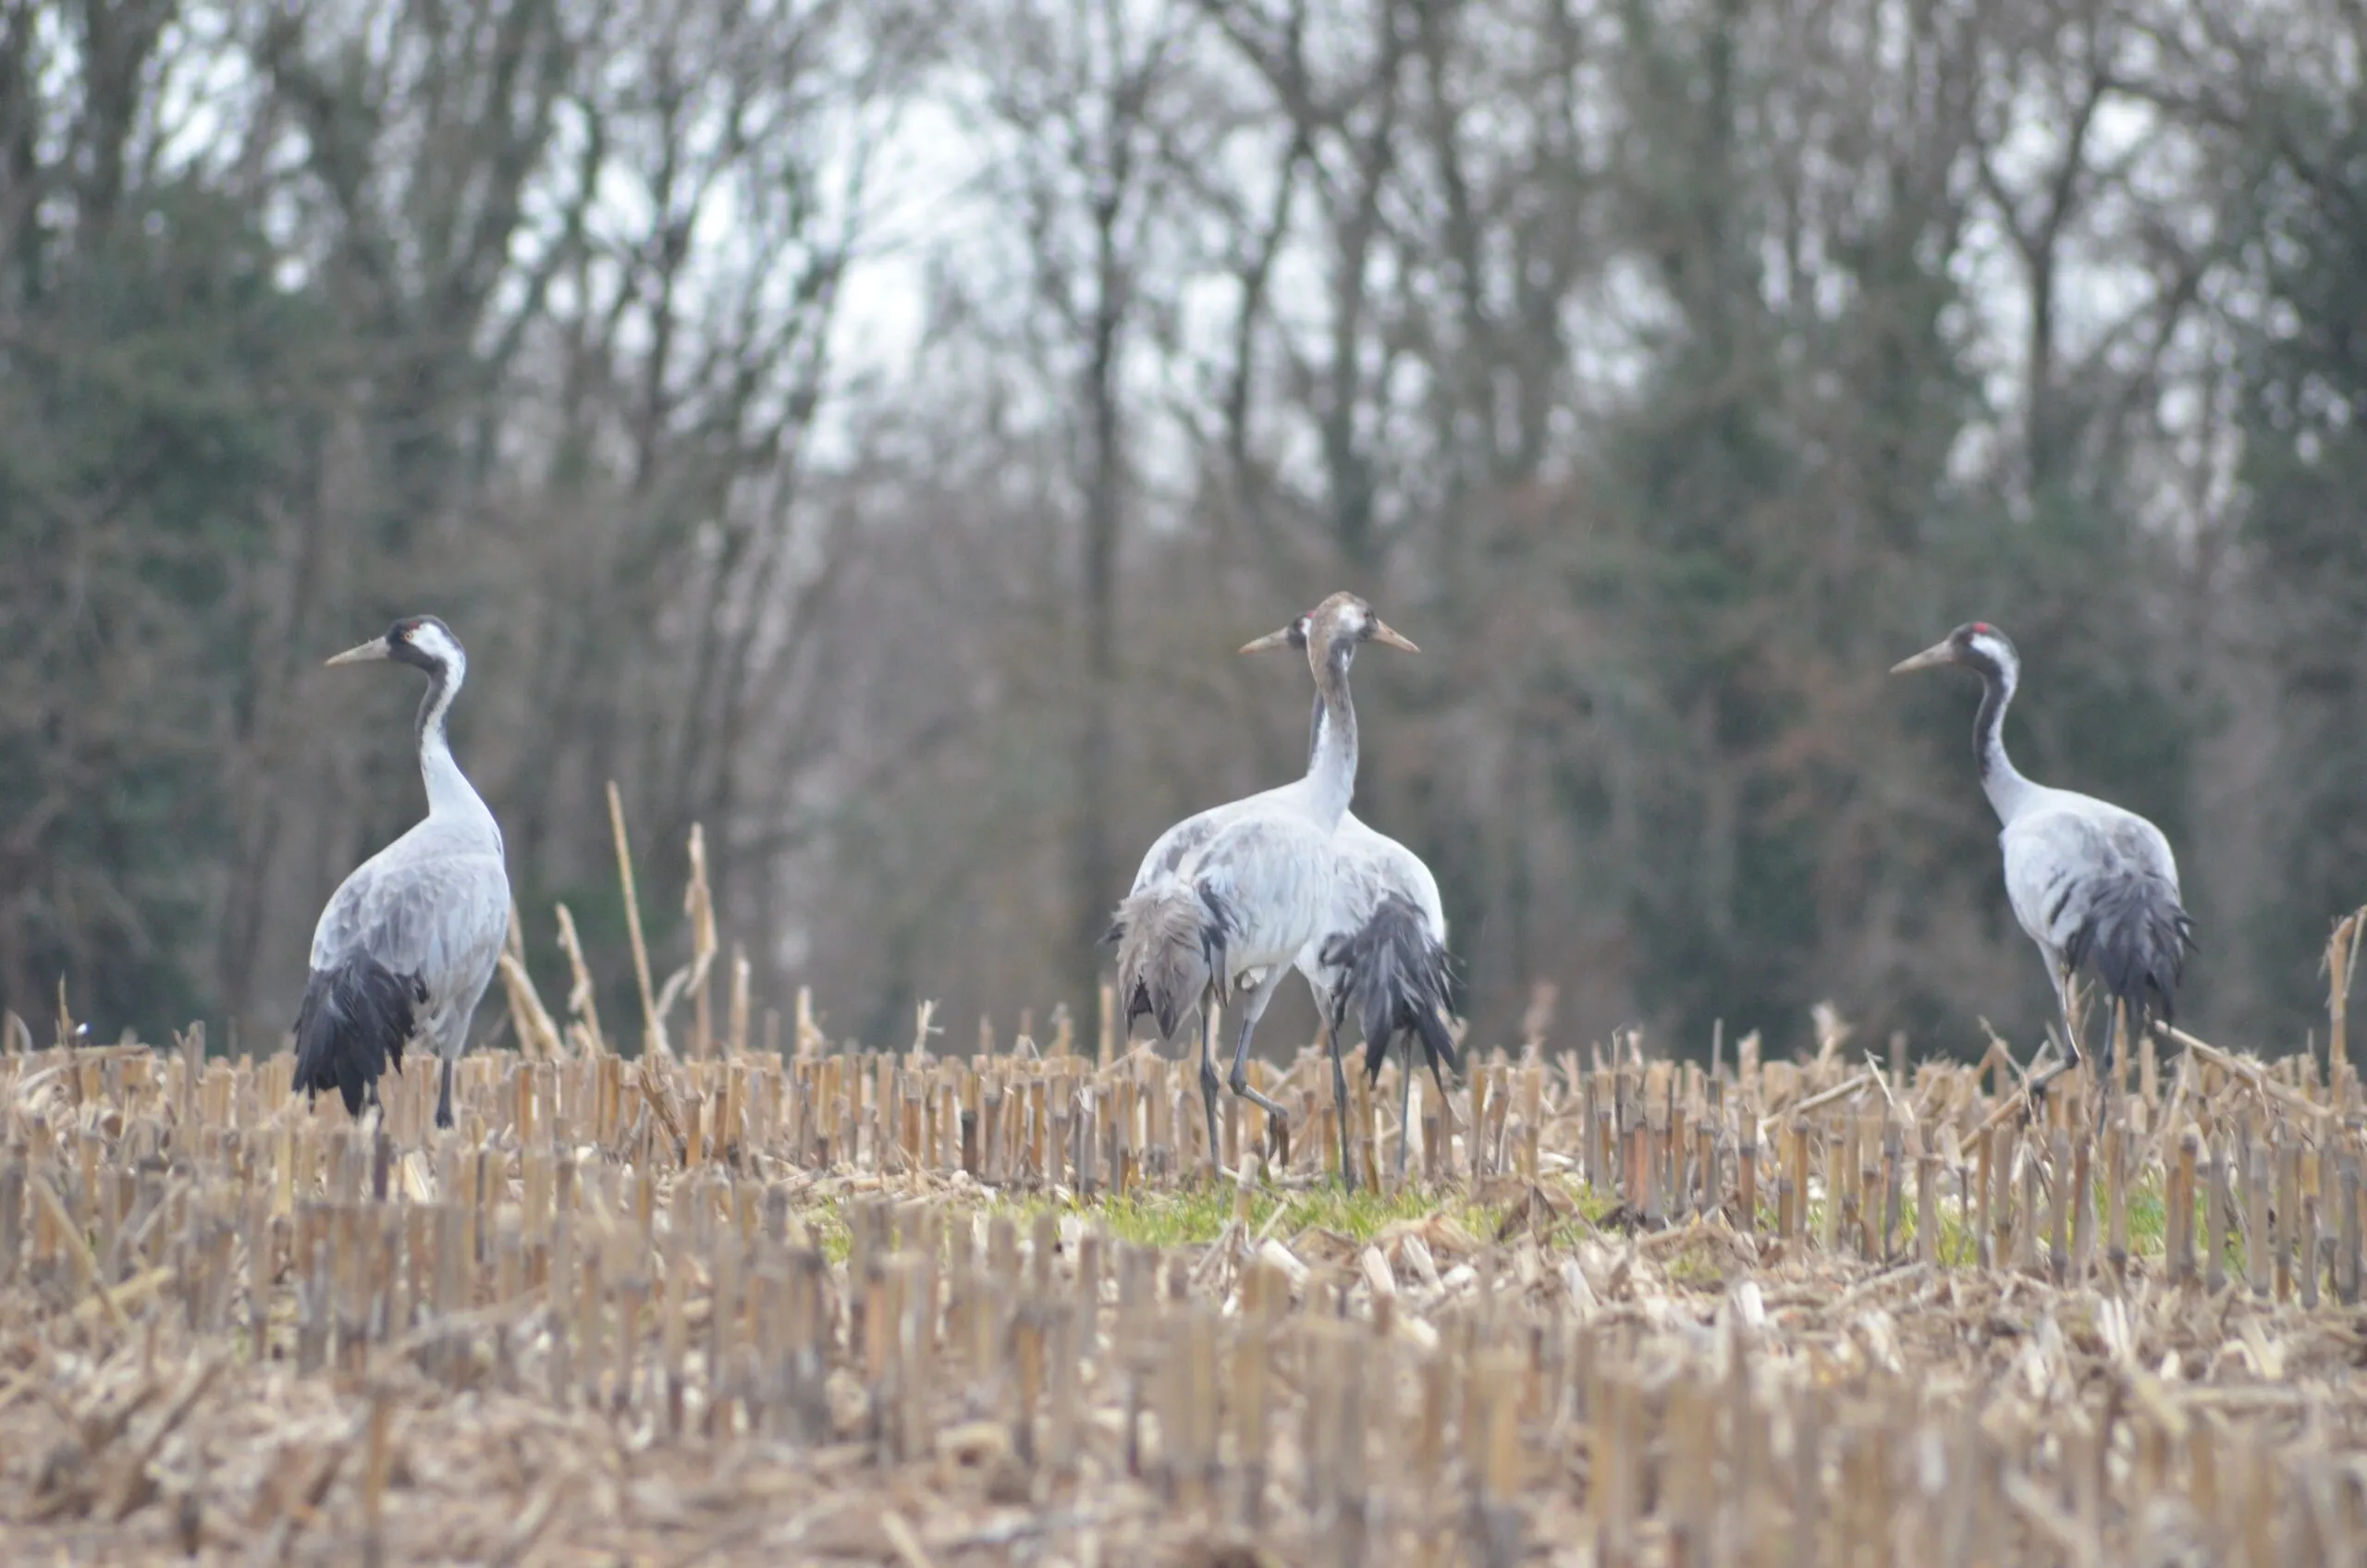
(811, 1306)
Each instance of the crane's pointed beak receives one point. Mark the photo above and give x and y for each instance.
(373, 649)
(1271, 640)
(1384, 632)
(1937, 654)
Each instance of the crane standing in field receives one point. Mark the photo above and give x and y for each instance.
(1227, 899)
(1381, 954)
(408, 943)
(2087, 879)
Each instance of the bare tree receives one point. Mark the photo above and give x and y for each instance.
(1093, 94)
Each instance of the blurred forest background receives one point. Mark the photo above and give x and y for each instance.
(866, 427)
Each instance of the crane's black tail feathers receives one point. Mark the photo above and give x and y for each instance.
(2138, 935)
(1171, 940)
(1395, 978)
(355, 1019)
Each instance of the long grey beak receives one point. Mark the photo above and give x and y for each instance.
(1384, 632)
(373, 649)
(1271, 640)
(1937, 654)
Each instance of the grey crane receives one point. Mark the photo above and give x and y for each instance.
(1381, 955)
(408, 941)
(1226, 899)
(2087, 879)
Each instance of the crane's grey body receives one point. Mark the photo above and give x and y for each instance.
(2074, 864)
(2089, 882)
(1268, 875)
(1227, 900)
(409, 942)
(435, 904)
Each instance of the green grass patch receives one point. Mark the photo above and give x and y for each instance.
(1198, 1216)
(2149, 1220)
(1958, 1243)
(1695, 1268)
(1362, 1214)
(1594, 1207)
(828, 1225)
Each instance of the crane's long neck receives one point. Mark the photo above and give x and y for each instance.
(1332, 738)
(2008, 791)
(450, 793)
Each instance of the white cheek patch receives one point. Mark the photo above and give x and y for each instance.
(1989, 647)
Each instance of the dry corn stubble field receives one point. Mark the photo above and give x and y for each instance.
(723, 1304)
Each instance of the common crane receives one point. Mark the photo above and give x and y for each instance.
(2087, 879)
(408, 943)
(1382, 952)
(1226, 899)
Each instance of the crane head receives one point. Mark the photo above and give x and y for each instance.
(1976, 643)
(1333, 628)
(420, 641)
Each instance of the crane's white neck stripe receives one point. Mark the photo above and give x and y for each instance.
(1331, 754)
(443, 685)
(2007, 790)
(450, 793)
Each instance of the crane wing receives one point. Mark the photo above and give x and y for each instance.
(1372, 868)
(437, 913)
(1395, 869)
(2066, 861)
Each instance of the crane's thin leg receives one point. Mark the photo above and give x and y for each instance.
(444, 1095)
(2039, 1081)
(1209, 1079)
(1405, 1105)
(1251, 1010)
(1339, 1092)
(2106, 1078)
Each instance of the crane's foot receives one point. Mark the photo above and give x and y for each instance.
(2036, 1086)
(1242, 1090)
(1278, 1125)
